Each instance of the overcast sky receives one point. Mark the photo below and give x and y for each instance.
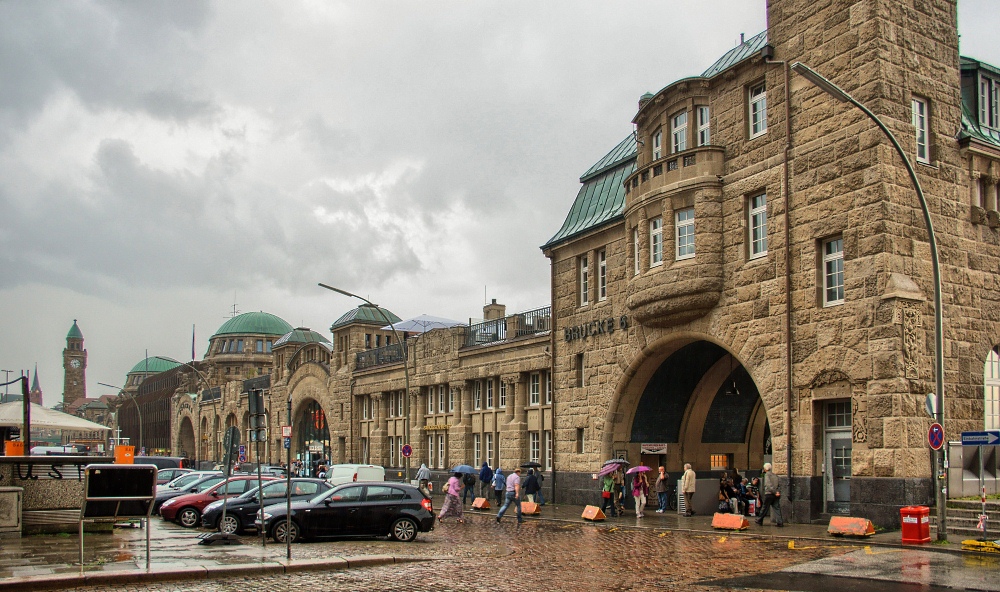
(163, 162)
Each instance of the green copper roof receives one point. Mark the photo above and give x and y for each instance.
(74, 332)
(748, 49)
(365, 314)
(156, 365)
(972, 130)
(602, 198)
(254, 323)
(301, 335)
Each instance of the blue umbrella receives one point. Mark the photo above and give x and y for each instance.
(465, 469)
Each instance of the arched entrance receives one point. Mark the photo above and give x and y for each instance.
(312, 443)
(694, 403)
(185, 440)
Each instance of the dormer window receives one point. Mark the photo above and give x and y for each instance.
(989, 102)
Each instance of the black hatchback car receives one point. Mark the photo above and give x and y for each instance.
(354, 510)
(242, 511)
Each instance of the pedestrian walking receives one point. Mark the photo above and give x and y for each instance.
(452, 506)
(469, 480)
(772, 497)
(512, 494)
(688, 487)
(486, 480)
(499, 485)
(423, 478)
(607, 491)
(531, 486)
(640, 491)
(662, 490)
(541, 480)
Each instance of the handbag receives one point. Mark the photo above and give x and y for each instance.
(606, 494)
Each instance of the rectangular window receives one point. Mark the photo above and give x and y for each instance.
(548, 388)
(758, 225)
(757, 109)
(378, 341)
(502, 399)
(602, 275)
(719, 462)
(489, 393)
(679, 130)
(579, 370)
(477, 395)
(704, 128)
(267, 346)
(489, 449)
(838, 414)
(441, 407)
(451, 399)
(685, 233)
(989, 102)
(534, 447)
(584, 281)
(477, 448)
(547, 444)
(657, 144)
(430, 451)
(239, 346)
(921, 128)
(442, 457)
(579, 441)
(392, 452)
(833, 272)
(399, 403)
(368, 341)
(635, 251)
(430, 400)
(534, 389)
(656, 242)
(259, 346)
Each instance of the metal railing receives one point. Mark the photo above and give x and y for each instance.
(388, 354)
(529, 322)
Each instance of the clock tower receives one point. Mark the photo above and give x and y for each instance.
(74, 366)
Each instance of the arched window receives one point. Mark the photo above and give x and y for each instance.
(991, 390)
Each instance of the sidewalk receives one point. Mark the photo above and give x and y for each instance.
(52, 561)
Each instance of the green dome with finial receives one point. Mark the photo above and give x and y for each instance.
(74, 332)
(254, 323)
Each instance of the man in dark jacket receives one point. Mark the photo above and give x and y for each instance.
(486, 480)
(469, 480)
(531, 486)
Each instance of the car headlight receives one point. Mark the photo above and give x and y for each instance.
(266, 515)
(213, 506)
(169, 502)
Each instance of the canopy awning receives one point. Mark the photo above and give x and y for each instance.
(11, 415)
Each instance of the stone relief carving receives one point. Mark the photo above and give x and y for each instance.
(911, 342)
(859, 414)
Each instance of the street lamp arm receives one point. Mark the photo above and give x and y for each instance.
(215, 402)
(138, 410)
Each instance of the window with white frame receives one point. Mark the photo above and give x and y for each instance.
(477, 395)
(365, 450)
(392, 452)
(547, 437)
(502, 396)
(477, 448)
(442, 457)
(489, 448)
(441, 399)
(679, 130)
(534, 388)
(758, 225)
(602, 275)
(400, 401)
(991, 390)
(451, 399)
(656, 241)
(548, 388)
(489, 393)
(989, 101)
(704, 127)
(584, 281)
(685, 233)
(833, 271)
(534, 447)
(757, 109)
(657, 144)
(430, 451)
(920, 125)
(635, 251)
(430, 400)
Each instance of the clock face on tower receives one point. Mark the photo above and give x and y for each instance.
(75, 363)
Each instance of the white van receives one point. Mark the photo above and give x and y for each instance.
(340, 474)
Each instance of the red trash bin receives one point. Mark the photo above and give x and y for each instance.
(916, 524)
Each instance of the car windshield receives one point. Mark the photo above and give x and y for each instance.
(184, 480)
(207, 484)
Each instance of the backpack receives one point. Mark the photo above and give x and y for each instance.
(469, 480)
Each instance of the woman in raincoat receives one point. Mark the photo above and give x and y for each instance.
(423, 478)
(452, 505)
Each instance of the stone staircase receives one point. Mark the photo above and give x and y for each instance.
(964, 515)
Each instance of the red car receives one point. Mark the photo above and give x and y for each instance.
(186, 509)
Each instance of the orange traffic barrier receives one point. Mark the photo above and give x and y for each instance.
(530, 508)
(480, 503)
(845, 525)
(730, 522)
(592, 513)
(13, 448)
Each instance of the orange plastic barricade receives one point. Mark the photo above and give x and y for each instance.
(845, 525)
(589, 513)
(915, 524)
(530, 508)
(13, 448)
(480, 503)
(730, 522)
(124, 455)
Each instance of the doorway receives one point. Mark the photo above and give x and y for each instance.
(837, 456)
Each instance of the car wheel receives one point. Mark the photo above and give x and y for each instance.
(404, 530)
(283, 529)
(231, 525)
(188, 517)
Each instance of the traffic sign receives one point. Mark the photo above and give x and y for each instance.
(243, 453)
(935, 436)
(407, 450)
(287, 442)
(286, 431)
(987, 438)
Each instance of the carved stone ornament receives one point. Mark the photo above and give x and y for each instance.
(912, 321)
(859, 414)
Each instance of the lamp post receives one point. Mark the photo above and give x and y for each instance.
(215, 402)
(138, 409)
(406, 371)
(841, 95)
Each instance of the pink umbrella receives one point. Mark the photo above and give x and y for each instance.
(638, 469)
(608, 469)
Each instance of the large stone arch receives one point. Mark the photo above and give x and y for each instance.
(186, 442)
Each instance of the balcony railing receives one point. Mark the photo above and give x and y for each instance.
(517, 325)
(388, 354)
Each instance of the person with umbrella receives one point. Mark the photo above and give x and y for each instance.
(640, 488)
(538, 475)
(486, 479)
(452, 505)
(607, 491)
(531, 486)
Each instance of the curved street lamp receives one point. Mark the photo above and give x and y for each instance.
(121, 392)
(406, 371)
(841, 95)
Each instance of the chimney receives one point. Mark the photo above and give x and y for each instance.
(494, 311)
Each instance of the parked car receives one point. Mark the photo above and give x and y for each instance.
(352, 473)
(164, 476)
(186, 509)
(272, 470)
(164, 462)
(242, 511)
(197, 484)
(353, 510)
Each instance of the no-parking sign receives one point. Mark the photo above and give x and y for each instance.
(935, 436)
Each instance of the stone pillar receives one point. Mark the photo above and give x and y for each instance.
(460, 434)
(418, 404)
(513, 434)
(377, 444)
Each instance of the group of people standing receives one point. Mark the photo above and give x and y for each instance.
(507, 490)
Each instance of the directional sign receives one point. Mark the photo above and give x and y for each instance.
(935, 436)
(287, 442)
(407, 450)
(987, 438)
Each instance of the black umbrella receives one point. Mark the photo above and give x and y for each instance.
(531, 465)
(465, 469)
(616, 461)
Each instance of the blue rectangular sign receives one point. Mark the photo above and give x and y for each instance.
(987, 438)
